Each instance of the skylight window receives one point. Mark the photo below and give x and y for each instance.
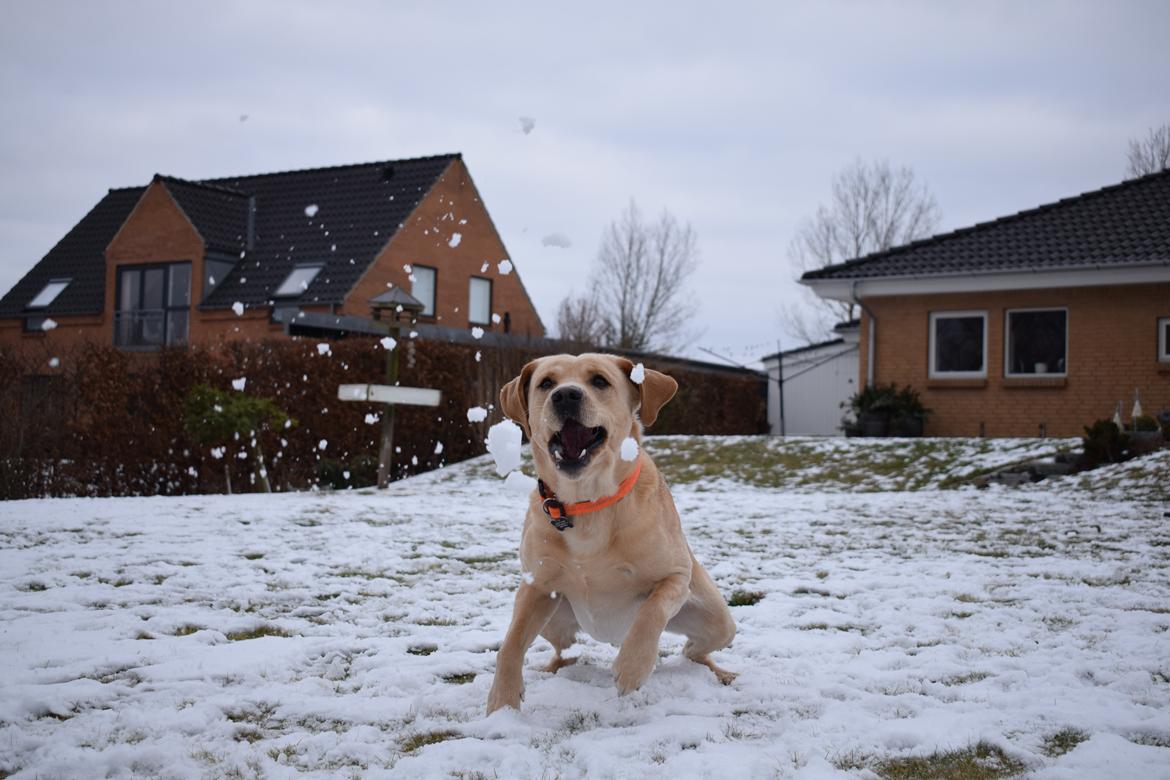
(298, 281)
(49, 293)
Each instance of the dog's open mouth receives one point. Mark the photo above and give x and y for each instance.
(572, 445)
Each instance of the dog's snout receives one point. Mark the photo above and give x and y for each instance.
(567, 400)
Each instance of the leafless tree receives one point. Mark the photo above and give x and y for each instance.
(873, 207)
(1150, 154)
(580, 322)
(638, 295)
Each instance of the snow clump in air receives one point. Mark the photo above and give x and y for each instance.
(527, 123)
(629, 448)
(48, 325)
(638, 375)
(503, 442)
(455, 239)
(519, 482)
(311, 210)
(371, 419)
(321, 445)
(238, 308)
(238, 384)
(559, 240)
(438, 448)
(476, 414)
(388, 343)
(323, 348)
(477, 333)
(505, 267)
(54, 362)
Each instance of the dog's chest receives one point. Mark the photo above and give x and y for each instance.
(605, 600)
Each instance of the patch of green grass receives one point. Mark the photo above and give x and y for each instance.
(978, 762)
(965, 679)
(423, 738)
(1056, 745)
(459, 679)
(144, 635)
(579, 721)
(187, 630)
(1149, 739)
(256, 633)
(472, 560)
(253, 556)
(744, 598)
(34, 587)
(421, 650)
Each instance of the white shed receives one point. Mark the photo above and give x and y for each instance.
(816, 380)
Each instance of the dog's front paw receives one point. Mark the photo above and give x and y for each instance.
(505, 694)
(633, 666)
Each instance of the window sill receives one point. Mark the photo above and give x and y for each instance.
(1022, 381)
(938, 383)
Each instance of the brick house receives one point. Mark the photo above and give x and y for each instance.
(172, 262)
(1035, 323)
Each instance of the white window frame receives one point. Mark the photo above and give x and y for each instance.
(301, 288)
(44, 304)
(950, 315)
(1163, 340)
(1007, 335)
(428, 306)
(487, 319)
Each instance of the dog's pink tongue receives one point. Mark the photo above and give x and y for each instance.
(575, 436)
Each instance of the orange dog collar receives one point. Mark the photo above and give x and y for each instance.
(559, 514)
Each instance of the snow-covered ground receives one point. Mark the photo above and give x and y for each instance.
(352, 634)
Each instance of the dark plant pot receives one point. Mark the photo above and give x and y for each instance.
(907, 425)
(873, 423)
(1144, 442)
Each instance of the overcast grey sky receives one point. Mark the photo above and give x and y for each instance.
(733, 119)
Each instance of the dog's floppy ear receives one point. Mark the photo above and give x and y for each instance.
(655, 389)
(514, 397)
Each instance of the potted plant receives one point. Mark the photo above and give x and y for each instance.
(1146, 435)
(872, 407)
(908, 414)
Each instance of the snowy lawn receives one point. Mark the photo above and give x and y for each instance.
(887, 628)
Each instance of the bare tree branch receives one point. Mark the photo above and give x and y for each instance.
(1150, 154)
(637, 298)
(872, 207)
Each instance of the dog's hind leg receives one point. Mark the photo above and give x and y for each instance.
(706, 622)
(561, 632)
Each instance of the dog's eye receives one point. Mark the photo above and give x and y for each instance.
(599, 381)
(547, 384)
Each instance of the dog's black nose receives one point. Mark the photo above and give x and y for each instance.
(567, 401)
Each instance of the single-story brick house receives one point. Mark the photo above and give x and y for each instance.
(176, 262)
(1035, 323)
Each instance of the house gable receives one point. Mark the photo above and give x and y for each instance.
(452, 207)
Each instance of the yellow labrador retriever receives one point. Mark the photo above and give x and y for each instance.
(602, 548)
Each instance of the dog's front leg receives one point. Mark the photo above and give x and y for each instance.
(639, 650)
(532, 611)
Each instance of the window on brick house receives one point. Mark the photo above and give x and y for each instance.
(479, 301)
(48, 293)
(1037, 342)
(958, 344)
(298, 280)
(423, 288)
(153, 306)
(1164, 339)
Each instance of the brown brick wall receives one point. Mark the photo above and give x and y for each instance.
(1112, 349)
(424, 240)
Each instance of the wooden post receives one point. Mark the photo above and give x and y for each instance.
(386, 450)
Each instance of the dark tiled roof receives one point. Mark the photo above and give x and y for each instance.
(78, 256)
(218, 213)
(1126, 224)
(358, 208)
